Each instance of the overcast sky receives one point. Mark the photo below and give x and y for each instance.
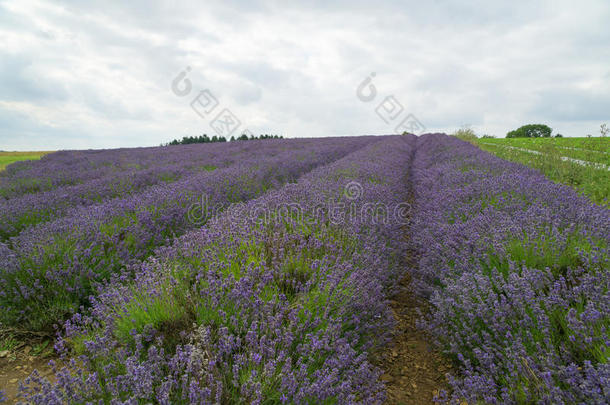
(75, 75)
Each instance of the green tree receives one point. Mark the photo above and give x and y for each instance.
(531, 131)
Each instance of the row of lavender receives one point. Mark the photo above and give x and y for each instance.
(275, 301)
(49, 270)
(21, 212)
(516, 268)
(67, 168)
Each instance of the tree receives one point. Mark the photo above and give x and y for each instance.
(603, 130)
(531, 131)
(558, 136)
(205, 139)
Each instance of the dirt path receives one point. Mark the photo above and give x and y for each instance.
(414, 370)
(28, 351)
(15, 367)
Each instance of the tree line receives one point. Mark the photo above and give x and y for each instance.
(187, 140)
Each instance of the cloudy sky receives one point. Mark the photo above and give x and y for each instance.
(75, 75)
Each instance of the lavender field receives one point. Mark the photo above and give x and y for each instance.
(263, 272)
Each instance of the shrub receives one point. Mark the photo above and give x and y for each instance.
(465, 134)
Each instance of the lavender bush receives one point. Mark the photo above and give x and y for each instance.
(19, 213)
(516, 269)
(67, 168)
(263, 305)
(75, 167)
(283, 298)
(49, 270)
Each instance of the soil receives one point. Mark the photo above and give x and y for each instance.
(33, 352)
(15, 367)
(414, 370)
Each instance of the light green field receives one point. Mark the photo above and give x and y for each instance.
(587, 149)
(590, 174)
(6, 158)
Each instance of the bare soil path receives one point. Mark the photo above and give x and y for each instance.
(415, 371)
(26, 352)
(15, 367)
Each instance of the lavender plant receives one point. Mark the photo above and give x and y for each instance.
(67, 168)
(270, 305)
(516, 269)
(281, 299)
(19, 213)
(49, 270)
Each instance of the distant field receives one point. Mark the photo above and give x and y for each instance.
(6, 158)
(593, 143)
(587, 149)
(583, 163)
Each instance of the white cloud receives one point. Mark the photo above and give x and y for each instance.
(74, 74)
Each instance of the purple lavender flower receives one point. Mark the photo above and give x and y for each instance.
(516, 268)
(280, 310)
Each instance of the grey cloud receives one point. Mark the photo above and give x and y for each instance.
(293, 67)
(17, 129)
(111, 107)
(21, 79)
(573, 105)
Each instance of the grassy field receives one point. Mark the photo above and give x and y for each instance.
(587, 149)
(6, 158)
(582, 163)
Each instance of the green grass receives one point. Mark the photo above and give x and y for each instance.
(591, 181)
(6, 158)
(8, 343)
(588, 149)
